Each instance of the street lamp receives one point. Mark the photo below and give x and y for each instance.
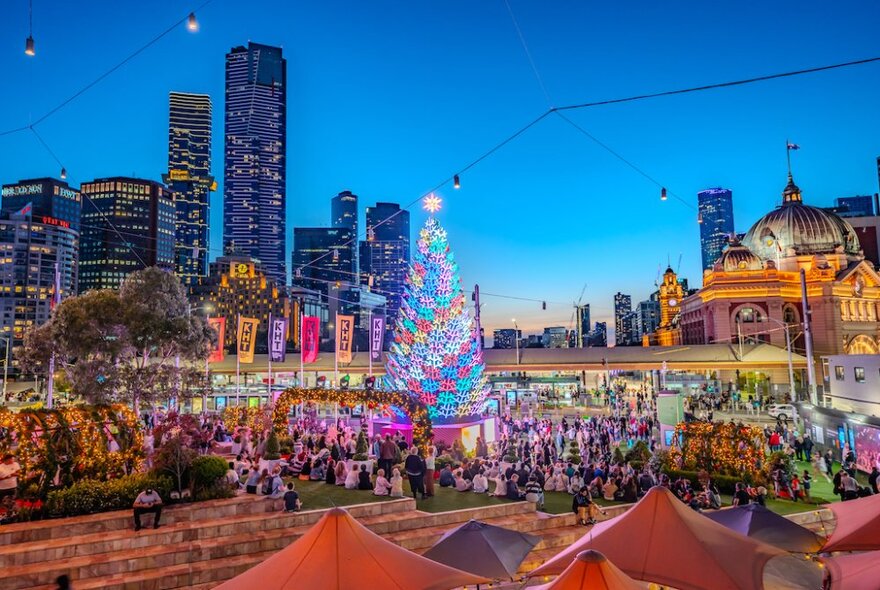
(516, 338)
(5, 365)
(788, 348)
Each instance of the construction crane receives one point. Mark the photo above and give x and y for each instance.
(576, 325)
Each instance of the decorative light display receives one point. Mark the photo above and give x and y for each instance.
(721, 447)
(254, 418)
(436, 354)
(72, 442)
(374, 399)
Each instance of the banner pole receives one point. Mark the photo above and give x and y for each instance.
(370, 339)
(269, 383)
(238, 362)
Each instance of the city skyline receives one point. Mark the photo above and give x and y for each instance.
(505, 200)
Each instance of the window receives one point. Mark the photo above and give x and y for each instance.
(838, 373)
(860, 374)
(746, 315)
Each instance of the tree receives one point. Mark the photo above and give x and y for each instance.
(574, 453)
(360, 449)
(140, 344)
(436, 354)
(273, 448)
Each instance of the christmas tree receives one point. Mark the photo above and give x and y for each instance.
(436, 355)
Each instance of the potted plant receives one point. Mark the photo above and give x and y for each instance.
(361, 456)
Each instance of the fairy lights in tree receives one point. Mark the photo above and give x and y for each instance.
(436, 355)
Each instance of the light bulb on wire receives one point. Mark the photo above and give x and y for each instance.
(663, 193)
(456, 183)
(63, 173)
(191, 23)
(29, 46)
(29, 42)
(700, 217)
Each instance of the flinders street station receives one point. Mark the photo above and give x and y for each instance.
(754, 291)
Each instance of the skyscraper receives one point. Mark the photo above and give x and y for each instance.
(649, 317)
(622, 327)
(46, 197)
(506, 338)
(384, 255)
(582, 325)
(554, 337)
(320, 258)
(255, 157)
(716, 210)
(344, 215)
(858, 206)
(189, 178)
(127, 225)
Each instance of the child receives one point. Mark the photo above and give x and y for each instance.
(795, 487)
(396, 484)
(806, 482)
(383, 486)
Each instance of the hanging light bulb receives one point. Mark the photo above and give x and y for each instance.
(29, 42)
(191, 23)
(29, 46)
(700, 217)
(455, 182)
(63, 173)
(663, 194)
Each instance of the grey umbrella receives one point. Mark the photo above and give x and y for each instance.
(483, 549)
(756, 521)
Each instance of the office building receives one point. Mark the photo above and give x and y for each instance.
(127, 225)
(237, 286)
(599, 335)
(649, 318)
(344, 211)
(555, 337)
(506, 338)
(716, 210)
(622, 306)
(254, 177)
(47, 197)
(189, 178)
(868, 232)
(321, 259)
(31, 247)
(385, 255)
(858, 206)
(582, 326)
(535, 341)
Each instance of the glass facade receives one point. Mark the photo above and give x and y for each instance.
(716, 209)
(385, 255)
(47, 197)
(321, 258)
(623, 325)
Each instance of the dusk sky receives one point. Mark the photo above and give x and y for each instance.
(387, 99)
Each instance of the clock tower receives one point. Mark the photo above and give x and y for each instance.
(671, 294)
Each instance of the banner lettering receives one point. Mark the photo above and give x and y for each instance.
(277, 339)
(247, 339)
(344, 334)
(377, 337)
(219, 326)
(311, 337)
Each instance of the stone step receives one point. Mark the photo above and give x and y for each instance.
(183, 531)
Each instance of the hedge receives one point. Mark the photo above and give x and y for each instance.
(726, 484)
(207, 470)
(90, 496)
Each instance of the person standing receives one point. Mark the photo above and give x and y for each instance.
(430, 464)
(147, 502)
(9, 470)
(387, 452)
(415, 471)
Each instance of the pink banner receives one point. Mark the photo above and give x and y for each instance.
(311, 337)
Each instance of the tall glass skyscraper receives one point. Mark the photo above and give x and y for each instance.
(716, 210)
(385, 255)
(254, 220)
(623, 328)
(189, 178)
(344, 215)
(320, 258)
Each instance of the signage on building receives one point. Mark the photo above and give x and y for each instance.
(178, 175)
(22, 189)
(66, 193)
(239, 270)
(53, 221)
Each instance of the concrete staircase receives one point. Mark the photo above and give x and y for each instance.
(198, 546)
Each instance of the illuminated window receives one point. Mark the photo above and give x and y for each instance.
(859, 374)
(838, 373)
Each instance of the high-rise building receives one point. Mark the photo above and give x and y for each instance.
(344, 215)
(255, 153)
(384, 255)
(857, 206)
(649, 317)
(582, 325)
(599, 335)
(555, 337)
(716, 210)
(32, 245)
(321, 259)
(236, 286)
(127, 225)
(189, 178)
(47, 197)
(506, 338)
(622, 306)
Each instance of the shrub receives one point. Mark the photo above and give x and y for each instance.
(444, 460)
(273, 449)
(639, 452)
(217, 490)
(89, 496)
(574, 453)
(206, 471)
(285, 445)
(360, 453)
(617, 456)
(726, 484)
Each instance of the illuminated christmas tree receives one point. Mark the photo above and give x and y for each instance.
(436, 355)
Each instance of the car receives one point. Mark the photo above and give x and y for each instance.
(782, 411)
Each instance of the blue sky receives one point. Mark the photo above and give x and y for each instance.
(388, 98)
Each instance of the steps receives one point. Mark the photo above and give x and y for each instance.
(203, 545)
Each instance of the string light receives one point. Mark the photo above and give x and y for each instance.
(63, 173)
(699, 217)
(191, 23)
(29, 42)
(663, 196)
(456, 183)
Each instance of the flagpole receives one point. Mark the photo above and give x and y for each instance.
(370, 340)
(238, 362)
(207, 372)
(50, 384)
(269, 384)
(302, 366)
(336, 355)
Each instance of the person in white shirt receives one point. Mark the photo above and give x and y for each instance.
(481, 483)
(461, 484)
(232, 477)
(147, 502)
(351, 480)
(382, 486)
(500, 486)
(9, 469)
(396, 484)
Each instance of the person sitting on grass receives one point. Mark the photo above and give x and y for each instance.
(364, 482)
(318, 473)
(330, 478)
(481, 483)
(396, 484)
(584, 507)
(500, 486)
(447, 480)
(232, 477)
(341, 472)
(253, 480)
(534, 492)
(273, 486)
(513, 492)
(292, 502)
(550, 482)
(461, 484)
(575, 483)
(147, 502)
(351, 479)
(382, 486)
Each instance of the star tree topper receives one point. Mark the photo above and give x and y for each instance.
(432, 203)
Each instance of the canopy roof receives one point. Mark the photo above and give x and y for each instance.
(662, 540)
(339, 553)
(757, 522)
(483, 549)
(591, 571)
(858, 525)
(856, 571)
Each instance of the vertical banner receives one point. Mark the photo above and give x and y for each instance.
(277, 339)
(311, 336)
(344, 334)
(247, 339)
(377, 337)
(219, 326)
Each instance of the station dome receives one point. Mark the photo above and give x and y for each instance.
(801, 229)
(737, 257)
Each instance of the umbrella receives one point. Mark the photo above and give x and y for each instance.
(757, 522)
(855, 571)
(591, 571)
(857, 524)
(339, 553)
(483, 549)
